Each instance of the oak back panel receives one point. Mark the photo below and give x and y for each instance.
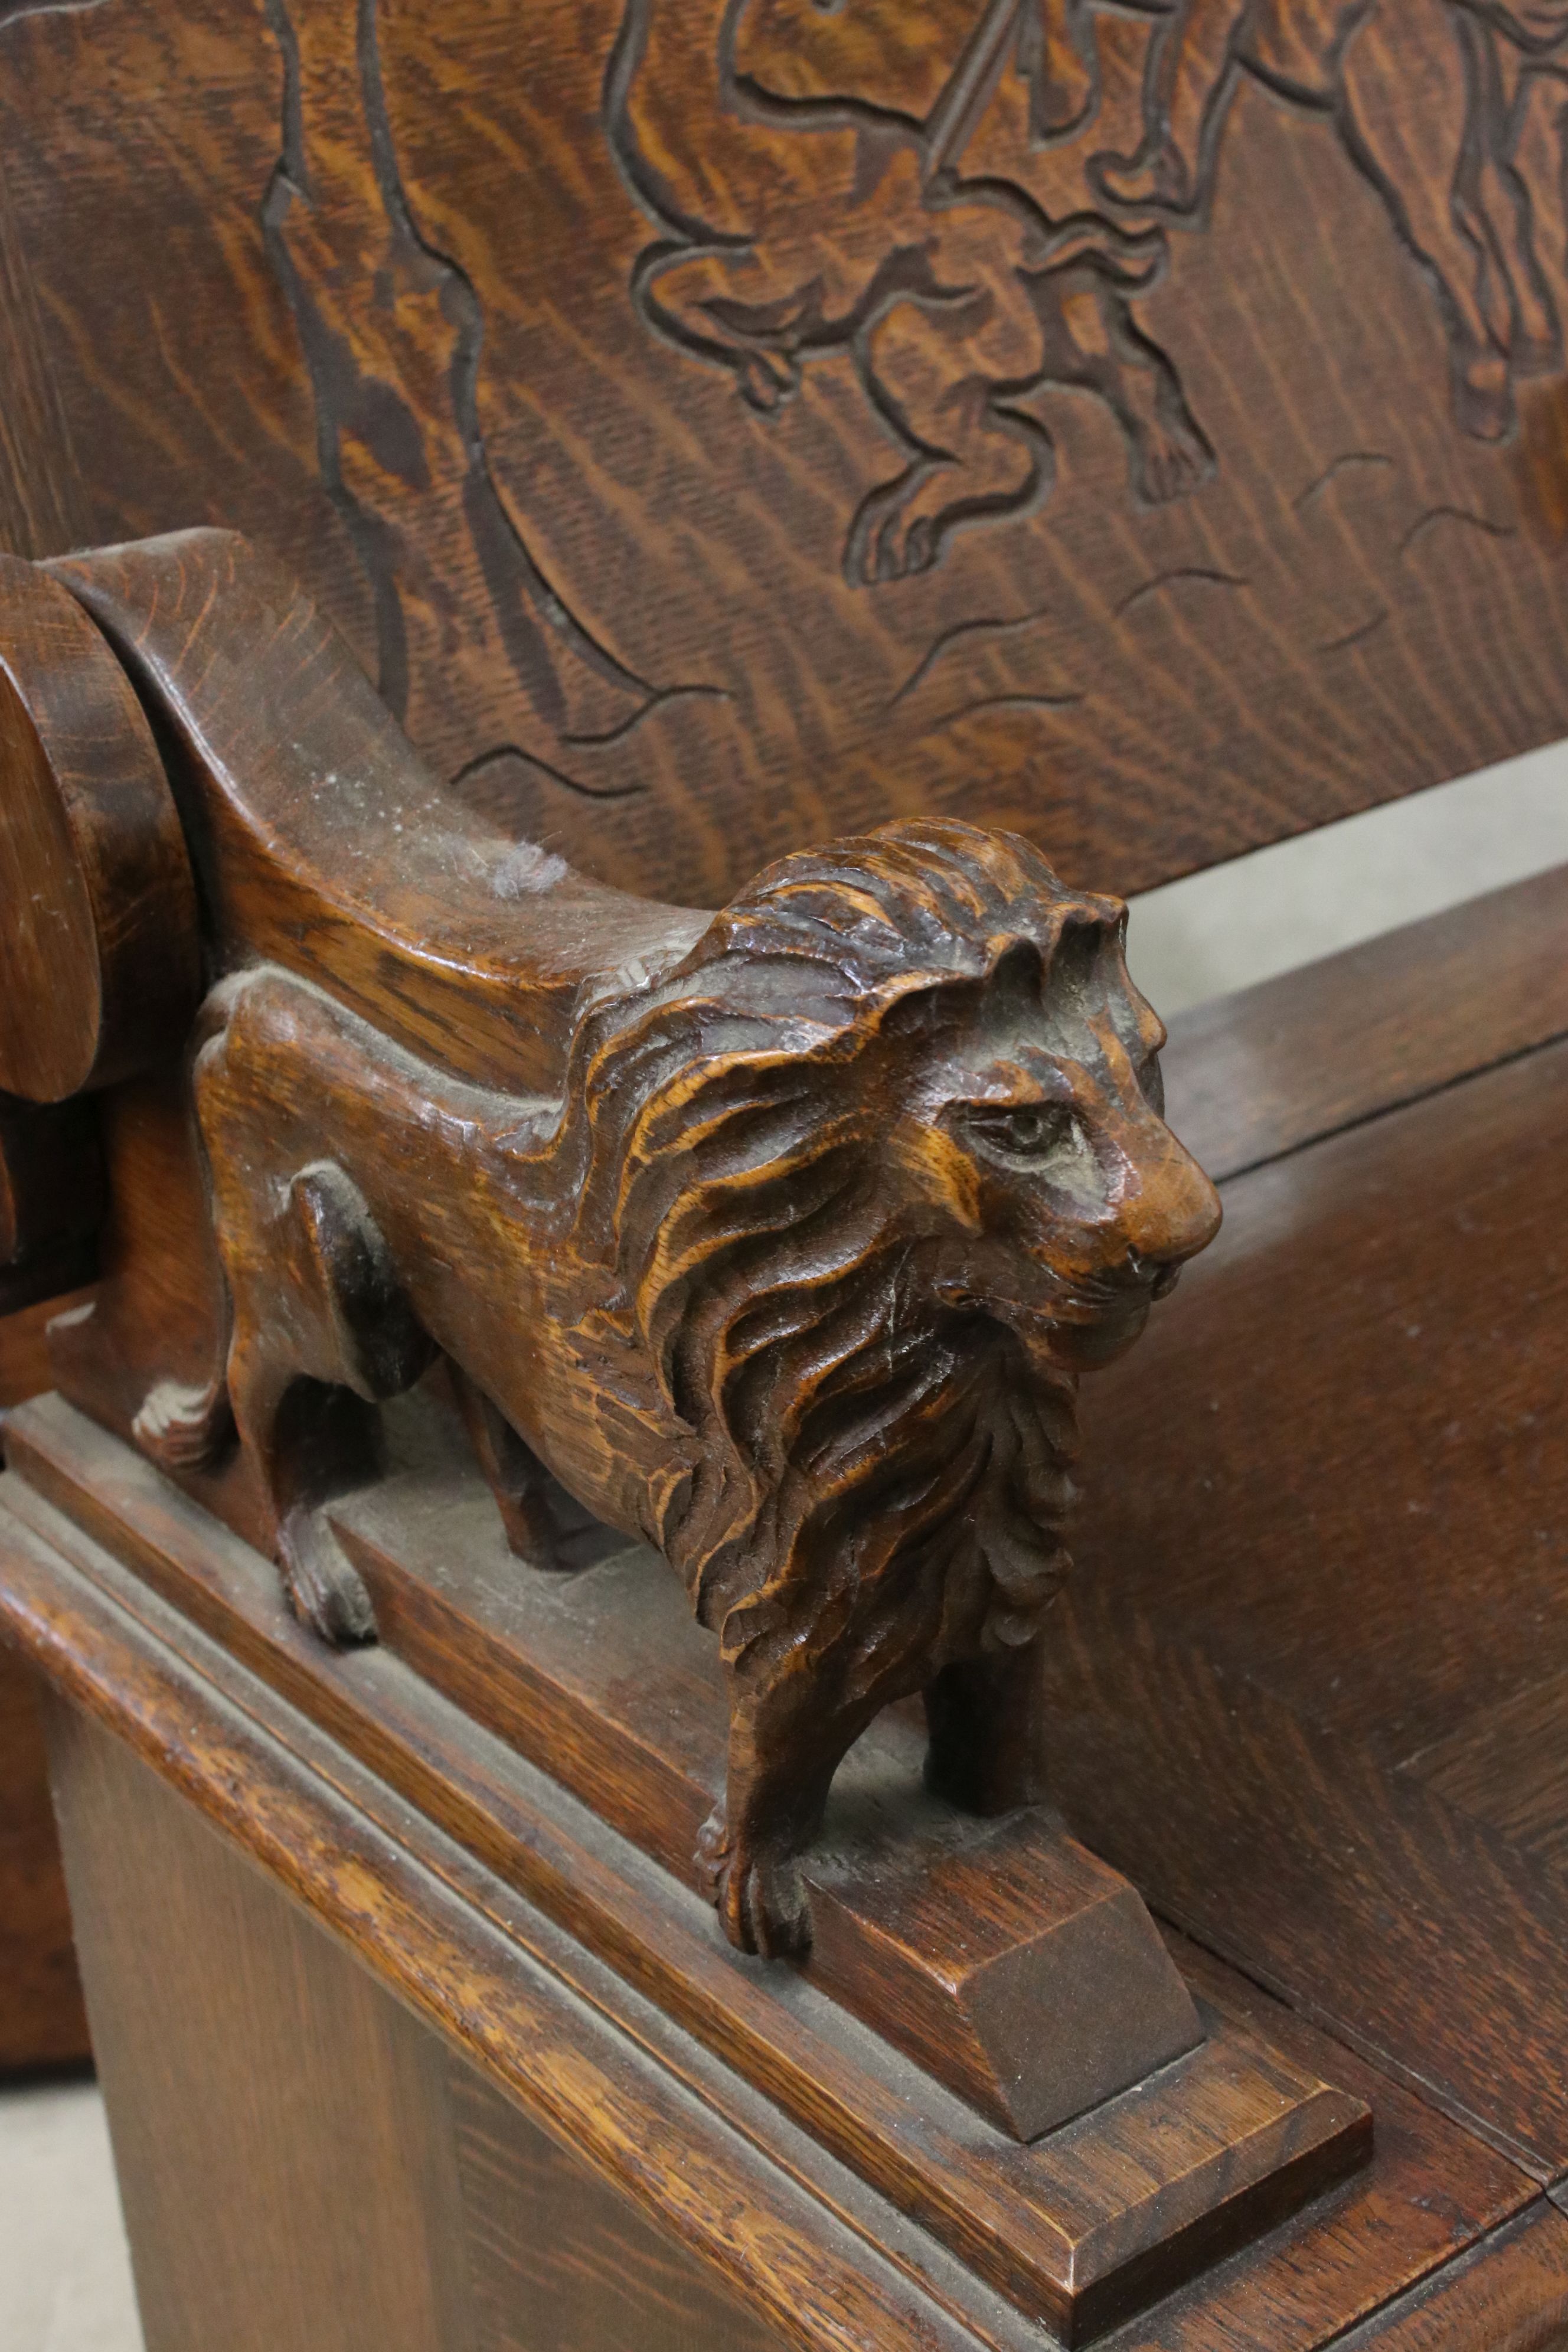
(722, 423)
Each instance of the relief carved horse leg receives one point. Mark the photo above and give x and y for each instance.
(1059, 56)
(1515, 203)
(1414, 157)
(1189, 83)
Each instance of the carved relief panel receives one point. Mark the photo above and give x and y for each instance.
(1143, 426)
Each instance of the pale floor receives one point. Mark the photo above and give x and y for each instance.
(65, 2280)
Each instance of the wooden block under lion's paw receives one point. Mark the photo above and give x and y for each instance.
(998, 1954)
(1027, 1973)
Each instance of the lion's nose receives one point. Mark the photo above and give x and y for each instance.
(1182, 1216)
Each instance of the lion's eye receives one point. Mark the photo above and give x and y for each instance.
(1026, 1130)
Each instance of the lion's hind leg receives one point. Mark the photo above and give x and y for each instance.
(986, 1717)
(543, 1524)
(304, 1387)
(321, 1330)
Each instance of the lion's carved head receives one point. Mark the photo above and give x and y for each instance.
(882, 1165)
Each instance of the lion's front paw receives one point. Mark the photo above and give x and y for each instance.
(325, 1590)
(757, 1892)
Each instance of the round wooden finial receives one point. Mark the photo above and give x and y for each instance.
(100, 963)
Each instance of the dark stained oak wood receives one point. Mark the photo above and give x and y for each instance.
(1322, 1614)
(995, 1953)
(157, 1309)
(715, 428)
(1508, 1765)
(51, 1203)
(554, 2262)
(801, 1223)
(549, 359)
(1113, 2202)
(721, 2170)
(24, 1347)
(1251, 1075)
(1328, 2257)
(249, 2066)
(1510, 2295)
(42, 2022)
(326, 845)
(98, 973)
(402, 1897)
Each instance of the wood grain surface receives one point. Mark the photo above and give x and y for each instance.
(1309, 1685)
(24, 1347)
(325, 844)
(793, 1274)
(1087, 2219)
(1254, 1075)
(1511, 2295)
(718, 430)
(950, 1936)
(810, 2252)
(42, 2022)
(402, 1897)
(555, 2261)
(99, 959)
(778, 1241)
(249, 2066)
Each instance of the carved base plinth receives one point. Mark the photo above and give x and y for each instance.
(999, 1955)
(1013, 1965)
(1076, 2229)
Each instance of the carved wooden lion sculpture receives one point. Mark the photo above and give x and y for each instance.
(795, 1281)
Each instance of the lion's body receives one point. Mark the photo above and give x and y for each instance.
(738, 1293)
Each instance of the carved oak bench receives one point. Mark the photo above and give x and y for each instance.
(680, 415)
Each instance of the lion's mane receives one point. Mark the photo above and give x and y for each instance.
(855, 1460)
